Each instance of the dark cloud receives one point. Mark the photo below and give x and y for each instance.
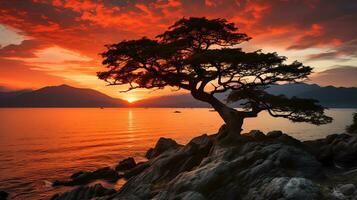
(343, 52)
(331, 15)
(308, 23)
(26, 49)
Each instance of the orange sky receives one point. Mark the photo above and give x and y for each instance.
(45, 42)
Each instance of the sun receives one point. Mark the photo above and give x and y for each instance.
(131, 99)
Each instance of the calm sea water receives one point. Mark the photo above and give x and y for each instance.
(44, 144)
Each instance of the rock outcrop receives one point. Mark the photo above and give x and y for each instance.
(338, 150)
(82, 178)
(3, 195)
(126, 164)
(85, 193)
(161, 146)
(252, 166)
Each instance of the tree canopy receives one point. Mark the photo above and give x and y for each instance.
(202, 56)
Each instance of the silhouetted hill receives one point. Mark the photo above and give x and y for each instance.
(67, 96)
(59, 96)
(9, 94)
(333, 97)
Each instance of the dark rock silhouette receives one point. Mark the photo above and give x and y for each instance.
(353, 127)
(337, 149)
(60, 96)
(81, 178)
(84, 193)
(126, 164)
(161, 146)
(140, 167)
(274, 134)
(3, 195)
(250, 167)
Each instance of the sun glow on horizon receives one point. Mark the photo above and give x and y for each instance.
(131, 99)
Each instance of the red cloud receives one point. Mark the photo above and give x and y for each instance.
(86, 26)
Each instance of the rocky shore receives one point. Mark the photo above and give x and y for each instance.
(252, 166)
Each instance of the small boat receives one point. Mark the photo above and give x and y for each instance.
(101, 108)
(176, 111)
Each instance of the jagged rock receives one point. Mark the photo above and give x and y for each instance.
(78, 174)
(162, 145)
(192, 195)
(347, 189)
(248, 167)
(301, 189)
(337, 149)
(288, 140)
(84, 193)
(3, 195)
(136, 170)
(274, 134)
(206, 169)
(292, 188)
(257, 134)
(81, 178)
(126, 164)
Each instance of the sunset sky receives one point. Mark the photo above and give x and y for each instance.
(45, 42)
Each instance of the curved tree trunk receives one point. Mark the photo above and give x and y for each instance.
(232, 118)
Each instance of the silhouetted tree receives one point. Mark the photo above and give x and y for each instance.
(201, 55)
(353, 127)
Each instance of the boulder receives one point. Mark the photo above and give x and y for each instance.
(301, 189)
(82, 178)
(274, 134)
(292, 188)
(335, 150)
(257, 134)
(162, 145)
(136, 170)
(84, 193)
(3, 195)
(126, 164)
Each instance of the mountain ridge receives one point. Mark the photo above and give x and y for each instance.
(68, 96)
(60, 96)
(328, 96)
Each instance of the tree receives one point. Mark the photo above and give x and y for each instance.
(201, 55)
(353, 127)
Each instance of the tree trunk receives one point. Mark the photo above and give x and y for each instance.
(231, 117)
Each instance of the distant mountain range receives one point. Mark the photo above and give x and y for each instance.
(332, 97)
(59, 96)
(329, 96)
(67, 96)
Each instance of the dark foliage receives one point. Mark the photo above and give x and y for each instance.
(353, 127)
(294, 109)
(201, 55)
